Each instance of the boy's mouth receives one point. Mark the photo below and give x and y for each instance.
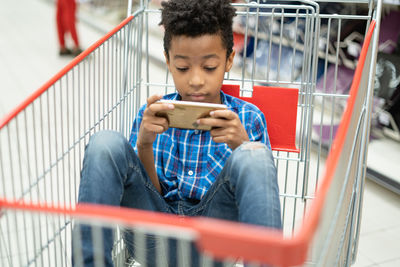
(197, 97)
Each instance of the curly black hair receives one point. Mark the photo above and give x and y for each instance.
(194, 18)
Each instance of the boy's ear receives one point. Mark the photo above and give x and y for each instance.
(229, 61)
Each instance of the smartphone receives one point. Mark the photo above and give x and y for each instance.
(186, 113)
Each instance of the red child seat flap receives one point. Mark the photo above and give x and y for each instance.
(279, 106)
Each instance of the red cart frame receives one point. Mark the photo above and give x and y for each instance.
(43, 139)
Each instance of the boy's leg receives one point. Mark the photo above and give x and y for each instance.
(247, 188)
(112, 174)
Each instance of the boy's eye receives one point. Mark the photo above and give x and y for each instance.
(210, 68)
(182, 69)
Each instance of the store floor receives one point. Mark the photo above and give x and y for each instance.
(29, 57)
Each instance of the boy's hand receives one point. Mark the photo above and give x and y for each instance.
(226, 128)
(151, 124)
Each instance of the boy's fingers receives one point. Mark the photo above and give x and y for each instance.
(156, 120)
(156, 128)
(155, 124)
(157, 107)
(218, 132)
(153, 107)
(152, 99)
(213, 122)
(225, 114)
(220, 139)
(219, 118)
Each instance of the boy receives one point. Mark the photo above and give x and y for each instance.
(216, 173)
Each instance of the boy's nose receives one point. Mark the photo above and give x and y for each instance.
(196, 79)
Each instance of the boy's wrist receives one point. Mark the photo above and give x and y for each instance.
(144, 145)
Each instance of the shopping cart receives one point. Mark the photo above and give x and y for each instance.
(287, 47)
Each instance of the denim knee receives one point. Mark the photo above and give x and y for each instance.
(105, 143)
(104, 169)
(251, 152)
(254, 159)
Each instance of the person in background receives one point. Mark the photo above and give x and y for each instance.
(66, 24)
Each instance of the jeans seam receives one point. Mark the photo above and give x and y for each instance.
(148, 184)
(209, 198)
(151, 187)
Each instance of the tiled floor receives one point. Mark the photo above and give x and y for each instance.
(29, 57)
(380, 228)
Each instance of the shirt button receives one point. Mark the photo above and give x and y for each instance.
(190, 172)
(196, 131)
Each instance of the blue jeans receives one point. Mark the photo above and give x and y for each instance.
(245, 191)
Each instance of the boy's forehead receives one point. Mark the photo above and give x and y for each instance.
(207, 43)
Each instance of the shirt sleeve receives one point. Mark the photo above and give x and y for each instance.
(135, 128)
(256, 127)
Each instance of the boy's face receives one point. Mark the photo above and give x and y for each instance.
(198, 65)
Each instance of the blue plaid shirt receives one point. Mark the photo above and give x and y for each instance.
(188, 161)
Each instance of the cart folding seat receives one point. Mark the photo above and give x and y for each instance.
(279, 105)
